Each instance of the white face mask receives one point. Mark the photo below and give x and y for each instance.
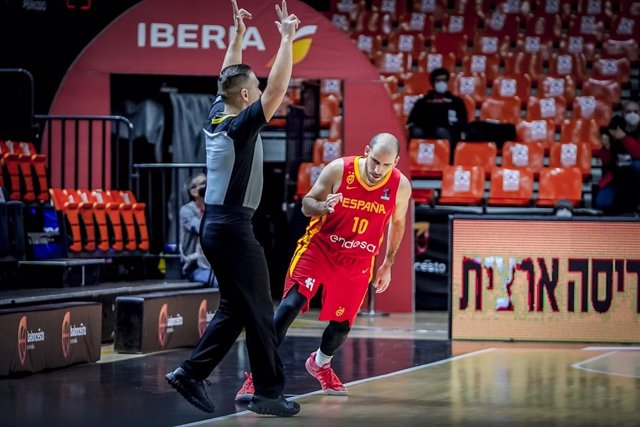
(632, 118)
(441, 87)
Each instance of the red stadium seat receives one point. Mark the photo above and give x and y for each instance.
(474, 85)
(133, 214)
(581, 130)
(536, 130)
(511, 187)
(429, 61)
(589, 107)
(608, 68)
(488, 64)
(553, 108)
(609, 91)
(325, 150)
(521, 63)
(503, 110)
(481, 154)
(329, 108)
(408, 42)
(559, 184)
(620, 49)
(571, 154)
(462, 185)
(465, 24)
(510, 85)
(416, 83)
(69, 207)
(112, 211)
(558, 87)
(568, 64)
(308, 173)
(449, 42)
(428, 157)
(517, 155)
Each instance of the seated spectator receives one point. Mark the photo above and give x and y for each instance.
(194, 264)
(619, 187)
(439, 114)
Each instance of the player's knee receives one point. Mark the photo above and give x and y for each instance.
(340, 328)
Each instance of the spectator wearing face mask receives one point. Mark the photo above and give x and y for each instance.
(194, 264)
(619, 187)
(439, 114)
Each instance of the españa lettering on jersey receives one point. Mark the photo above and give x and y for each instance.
(357, 226)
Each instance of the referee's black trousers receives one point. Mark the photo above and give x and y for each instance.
(238, 260)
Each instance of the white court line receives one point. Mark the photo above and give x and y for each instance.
(365, 380)
(611, 348)
(602, 356)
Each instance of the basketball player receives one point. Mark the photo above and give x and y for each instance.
(233, 191)
(350, 206)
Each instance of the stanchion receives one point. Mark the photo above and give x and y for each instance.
(371, 312)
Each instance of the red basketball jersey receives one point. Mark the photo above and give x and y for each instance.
(356, 227)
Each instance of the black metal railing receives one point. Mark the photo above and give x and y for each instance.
(163, 187)
(87, 151)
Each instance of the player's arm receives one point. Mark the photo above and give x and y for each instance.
(321, 199)
(280, 74)
(394, 235)
(233, 55)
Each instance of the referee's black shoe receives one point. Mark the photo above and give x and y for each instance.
(191, 389)
(279, 407)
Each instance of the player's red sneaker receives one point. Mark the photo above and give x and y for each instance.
(329, 381)
(247, 390)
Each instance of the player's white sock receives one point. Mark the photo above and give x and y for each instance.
(321, 358)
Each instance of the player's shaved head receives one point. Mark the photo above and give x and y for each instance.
(385, 142)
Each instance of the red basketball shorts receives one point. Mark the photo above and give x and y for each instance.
(344, 281)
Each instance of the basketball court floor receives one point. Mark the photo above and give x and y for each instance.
(400, 370)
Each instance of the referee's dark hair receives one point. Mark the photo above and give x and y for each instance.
(232, 79)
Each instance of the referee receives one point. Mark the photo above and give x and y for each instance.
(234, 187)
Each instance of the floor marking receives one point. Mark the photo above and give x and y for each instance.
(357, 382)
(602, 356)
(611, 348)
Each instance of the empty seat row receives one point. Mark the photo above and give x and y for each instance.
(464, 185)
(428, 158)
(102, 220)
(23, 171)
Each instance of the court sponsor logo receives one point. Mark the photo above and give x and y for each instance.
(353, 244)
(204, 317)
(162, 325)
(22, 339)
(66, 334)
(302, 42)
(340, 311)
(194, 36)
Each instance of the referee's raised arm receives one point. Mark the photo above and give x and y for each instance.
(280, 73)
(234, 51)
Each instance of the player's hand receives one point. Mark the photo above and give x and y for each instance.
(238, 18)
(383, 278)
(332, 201)
(287, 24)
